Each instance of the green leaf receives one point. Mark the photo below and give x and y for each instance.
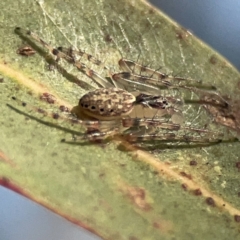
(116, 191)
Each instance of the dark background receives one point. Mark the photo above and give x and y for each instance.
(215, 22)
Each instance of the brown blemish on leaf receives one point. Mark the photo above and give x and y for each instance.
(186, 175)
(237, 218)
(213, 59)
(47, 97)
(197, 192)
(137, 195)
(184, 186)
(211, 202)
(182, 33)
(102, 175)
(238, 165)
(163, 225)
(63, 108)
(108, 38)
(133, 238)
(193, 163)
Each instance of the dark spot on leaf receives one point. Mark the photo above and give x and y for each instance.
(237, 218)
(184, 186)
(63, 108)
(213, 60)
(210, 201)
(55, 115)
(186, 175)
(193, 163)
(238, 165)
(197, 192)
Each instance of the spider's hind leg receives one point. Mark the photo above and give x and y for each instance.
(153, 141)
(92, 136)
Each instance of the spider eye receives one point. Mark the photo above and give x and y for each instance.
(93, 107)
(101, 110)
(86, 106)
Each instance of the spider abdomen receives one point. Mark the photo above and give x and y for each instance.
(107, 103)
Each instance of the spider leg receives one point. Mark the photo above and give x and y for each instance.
(171, 137)
(93, 135)
(153, 85)
(72, 53)
(90, 125)
(149, 122)
(156, 131)
(100, 81)
(130, 81)
(153, 142)
(90, 73)
(171, 140)
(156, 77)
(155, 81)
(70, 58)
(162, 124)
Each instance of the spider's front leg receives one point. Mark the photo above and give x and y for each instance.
(150, 77)
(71, 58)
(136, 76)
(69, 55)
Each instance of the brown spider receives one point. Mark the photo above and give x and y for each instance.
(107, 111)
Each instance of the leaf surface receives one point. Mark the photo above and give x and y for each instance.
(116, 191)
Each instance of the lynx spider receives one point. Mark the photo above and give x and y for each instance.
(108, 108)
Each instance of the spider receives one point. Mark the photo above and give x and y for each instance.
(106, 112)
